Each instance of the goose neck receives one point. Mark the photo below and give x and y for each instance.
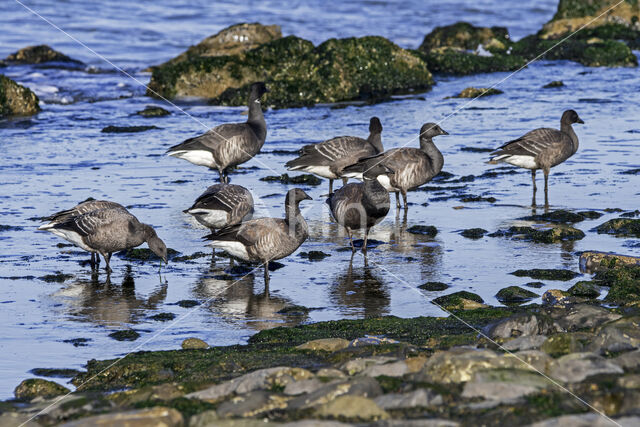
(427, 146)
(568, 129)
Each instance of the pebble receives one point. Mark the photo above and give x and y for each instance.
(193, 344)
(352, 407)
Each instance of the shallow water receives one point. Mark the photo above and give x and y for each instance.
(59, 157)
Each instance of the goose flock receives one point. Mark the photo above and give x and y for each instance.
(104, 227)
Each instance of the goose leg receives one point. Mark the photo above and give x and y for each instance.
(353, 248)
(364, 244)
(397, 200)
(266, 275)
(404, 200)
(546, 188)
(93, 260)
(535, 189)
(344, 181)
(330, 186)
(107, 259)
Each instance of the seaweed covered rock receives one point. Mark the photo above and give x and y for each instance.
(541, 235)
(462, 48)
(624, 282)
(232, 40)
(38, 55)
(597, 261)
(560, 216)
(461, 300)
(477, 92)
(620, 227)
(585, 289)
(16, 100)
(298, 73)
(515, 295)
(36, 387)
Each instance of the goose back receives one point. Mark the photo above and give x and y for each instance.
(222, 205)
(79, 209)
(359, 205)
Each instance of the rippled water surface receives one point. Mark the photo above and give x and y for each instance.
(59, 157)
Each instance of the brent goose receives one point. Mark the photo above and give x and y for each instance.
(542, 148)
(230, 144)
(222, 205)
(80, 209)
(412, 166)
(109, 230)
(327, 159)
(266, 239)
(362, 205)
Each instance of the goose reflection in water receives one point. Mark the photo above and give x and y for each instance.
(109, 304)
(235, 298)
(361, 291)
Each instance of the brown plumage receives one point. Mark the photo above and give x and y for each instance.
(541, 148)
(109, 230)
(228, 145)
(266, 239)
(222, 205)
(328, 158)
(413, 167)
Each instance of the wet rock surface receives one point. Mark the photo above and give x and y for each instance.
(38, 55)
(32, 388)
(541, 235)
(16, 100)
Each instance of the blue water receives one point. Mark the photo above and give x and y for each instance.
(59, 157)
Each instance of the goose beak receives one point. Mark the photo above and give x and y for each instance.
(307, 197)
(444, 132)
(579, 120)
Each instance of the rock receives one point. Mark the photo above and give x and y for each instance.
(629, 360)
(156, 416)
(125, 335)
(555, 83)
(590, 419)
(357, 365)
(261, 379)
(424, 230)
(457, 62)
(194, 343)
(38, 55)
(463, 35)
(36, 387)
(473, 92)
(330, 373)
(515, 294)
(556, 298)
(520, 325)
(165, 392)
(416, 399)
(433, 286)
(581, 316)
(297, 73)
(576, 367)
(456, 365)
(620, 227)
(616, 336)
(430, 422)
(527, 342)
(597, 261)
(461, 300)
(295, 388)
(559, 216)
(629, 381)
(352, 407)
(546, 274)
(572, 342)
(127, 129)
(325, 344)
(294, 310)
(624, 282)
(304, 179)
(586, 289)
(153, 111)
(15, 419)
(163, 317)
(368, 340)
(232, 40)
(314, 255)
(536, 285)
(393, 369)
(251, 404)
(541, 235)
(16, 100)
(497, 390)
(359, 386)
(474, 233)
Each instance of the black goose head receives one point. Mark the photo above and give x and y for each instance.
(295, 196)
(375, 131)
(570, 117)
(374, 168)
(374, 125)
(156, 245)
(256, 91)
(429, 130)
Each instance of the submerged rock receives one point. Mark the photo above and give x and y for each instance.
(597, 261)
(461, 300)
(434, 286)
(424, 230)
(153, 111)
(587, 289)
(555, 83)
(193, 344)
(16, 100)
(36, 387)
(561, 216)
(125, 335)
(541, 235)
(39, 55)
(314, 255)
(304, 179)
(127, 129)
(298, 73)
(547, 274)
(478, 92)
(515, 294)
(620, 227)
(473, 233)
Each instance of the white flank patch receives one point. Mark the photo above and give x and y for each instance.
(210, 218)
(356, 175)
(46, 226)
(322, 171)
(236, 249)
(71, 236)
(386, 182)
(528, 162)
(197, 157)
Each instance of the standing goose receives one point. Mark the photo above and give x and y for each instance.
(327, 159)
(412, 166)
(222, 205)
(266, 239)
(361, 205)
(542, 148)
(80, 209)
(106, 231)
(230, 144)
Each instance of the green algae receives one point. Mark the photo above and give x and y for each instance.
(36, 387)
(455, 301)
(586, 289)
(16, 100)
(424, 230)
(153, 111)
(433, 286)
(125, 335)
(620, 227)
(163, 317)
(546, 274)
(624, 282)
(57, 277)
(515, 294)
(541, 235)
(560, 216)
(452, 61)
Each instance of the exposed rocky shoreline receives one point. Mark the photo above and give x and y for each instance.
(514, 365)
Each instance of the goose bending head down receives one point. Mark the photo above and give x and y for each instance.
(231, 144)
(266, 239)
(541, 148)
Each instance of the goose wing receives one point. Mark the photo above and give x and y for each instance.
(98, 221)
(342, 150)
(533, 143)
(343, 200)
(82, 208)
